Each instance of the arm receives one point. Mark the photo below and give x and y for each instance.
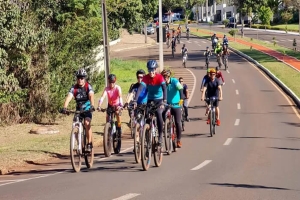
(140, 89)
(203, 93)
(221, 92)
(187, 93)
(102, 98)
(164, 88)
(180, 88)
(203, 82)
(221, 75)
(130, 94)
(120, 96)
(68, 99)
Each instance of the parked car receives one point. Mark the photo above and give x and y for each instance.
(150, 29)
(232, 23)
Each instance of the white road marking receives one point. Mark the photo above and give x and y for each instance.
(237, 122)
(203, 41)
(282, 40)
(237, 92)
(194, 86)
(228, 71)
(238, 106)
(206, 162)
(196, 41)
(228, 141)
(290, 40)
(189, 41)
(233, 80)
(125, 150)
(127, 196)
(199, 45)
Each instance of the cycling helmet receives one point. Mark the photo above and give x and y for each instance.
(207, 47)
(212, 70)
(183, 45)
(166, 72)
(152, 64)
(81, 73)
(208, 70)
(140, 71)
(112, 78)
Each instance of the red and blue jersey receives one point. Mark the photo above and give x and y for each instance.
(154, 86)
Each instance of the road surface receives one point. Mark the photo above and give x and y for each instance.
(254, 154)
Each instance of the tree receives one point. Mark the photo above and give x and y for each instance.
(286, 16)
(296, 5)
(149, 9)
(265, 15)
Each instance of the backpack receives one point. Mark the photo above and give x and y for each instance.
(86, 88)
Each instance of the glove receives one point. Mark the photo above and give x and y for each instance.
(134, 103)
(125, 105)
(63, 111)
(181, 102)
(92, 109)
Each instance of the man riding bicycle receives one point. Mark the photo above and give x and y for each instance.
(225, 41)
(214, 89)
(207, 53)
(175, 98)
(114, 96)
(214, 40)
(218, 52)
(186, 94)
(184, 52)
(173, 43)
(83, 94)
(157, 92)
(225, 53)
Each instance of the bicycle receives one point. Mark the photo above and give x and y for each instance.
(150, 138)
(219, 61)
(188, 35)
(77, 148)
(139, 121)
(212, 115)
(112, 135)
(225, 61)
(173, 51)
(207, 62)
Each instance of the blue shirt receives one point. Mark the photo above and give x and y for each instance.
(204, 80)
(143, 97)
(173, 94)
(154, 86)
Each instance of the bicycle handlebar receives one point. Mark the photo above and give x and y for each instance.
(75, 112)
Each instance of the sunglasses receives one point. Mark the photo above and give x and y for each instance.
(151, 70)
(213, 74)
(139, 77)
(80, 78)
(181, 81)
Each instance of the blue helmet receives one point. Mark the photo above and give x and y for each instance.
(152, 64)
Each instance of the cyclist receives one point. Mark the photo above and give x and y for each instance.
(114, 96)
(219, 75)
(175, 98)
(214, 40)
(225, 41)
(205, 79)
(157, 92)
(214, 89)
(184, 52)
(187, 30)
(186, 97)
(173, 33)
(168, 37)
(225, 52)
(218, 52)
(83, 94)
(142, 99)
(173, 43)
(207, 54)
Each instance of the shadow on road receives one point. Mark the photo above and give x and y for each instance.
(192, 135)
(196, 107)
(292, 124)
(282, 148)
(248, 186)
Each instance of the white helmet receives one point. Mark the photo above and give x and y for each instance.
(81, 73)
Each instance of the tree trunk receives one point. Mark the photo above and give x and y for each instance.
(145, 31)
(299, 19)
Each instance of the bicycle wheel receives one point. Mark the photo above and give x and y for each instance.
(75, 153)
(226, 64)
(117, 140)
(173, 52)
(214, 122)
(107, 139)
(146, 147)
(167, 136)
(211, 123)
(158, 156)
(174, 136)
(132, 128)
(182, 119)
(137, 143)
(88, 156)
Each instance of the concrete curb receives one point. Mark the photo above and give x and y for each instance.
(111, 43)
(287, 90)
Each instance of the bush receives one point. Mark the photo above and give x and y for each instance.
(233, 32)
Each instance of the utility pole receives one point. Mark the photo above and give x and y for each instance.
(161, 50)
(105, 41)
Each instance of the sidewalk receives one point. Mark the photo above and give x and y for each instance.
(291, 61)
(133, 41)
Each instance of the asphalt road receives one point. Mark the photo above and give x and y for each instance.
(282, 39)
(254, 154)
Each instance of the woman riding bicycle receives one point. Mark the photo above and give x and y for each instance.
(114, 96)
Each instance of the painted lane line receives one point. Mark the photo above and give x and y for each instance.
(127, 196)
(237, 92)
(238, 106)
(228, 71)
(203, 41)
(233, 80)
(194, 86)
(123, 151)
(228, 141)
(237, 122)
(199, 45)
(196, 41)
(206, 162)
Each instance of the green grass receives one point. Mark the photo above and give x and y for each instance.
(294, 27)
(18, 146)
(282, 71)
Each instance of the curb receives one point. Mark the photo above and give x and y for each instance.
(287, 90)
(111, 43)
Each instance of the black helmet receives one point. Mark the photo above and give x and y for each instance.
(140, 71)
(152, 64)
(81, 73)
(112, 78)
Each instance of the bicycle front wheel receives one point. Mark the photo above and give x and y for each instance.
(146, 147)
(75, 150)
(137, 143)
(167, 136)
(158, 155)
(117, 140)
(88, 157)
(107, 140)
(211, 123)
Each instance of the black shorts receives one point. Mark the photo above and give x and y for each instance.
(216, 103)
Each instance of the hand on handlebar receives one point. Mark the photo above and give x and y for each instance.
(221, 98)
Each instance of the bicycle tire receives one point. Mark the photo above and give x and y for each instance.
(137, 143)
(211, 123)
(174, 136)
(158, 157)
(173, 52)
(107, 140)
(89, 157)
(146, 147)
(182, 119)
(167, 136)
(132, 128)
(117, 140)
(76, 166)
(214, 122)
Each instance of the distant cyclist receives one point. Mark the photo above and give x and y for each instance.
(225, 41)
(207, 53)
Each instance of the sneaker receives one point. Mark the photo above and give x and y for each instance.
(89, 147)
(179, 144)
(208, 121)
(218, 122)
(187, 119)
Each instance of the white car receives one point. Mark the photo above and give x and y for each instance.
(150, 29)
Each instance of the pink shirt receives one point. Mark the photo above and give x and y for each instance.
(114, 95)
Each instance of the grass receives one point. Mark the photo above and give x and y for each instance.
(283, 72)
(17, 146)
(294, 27)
